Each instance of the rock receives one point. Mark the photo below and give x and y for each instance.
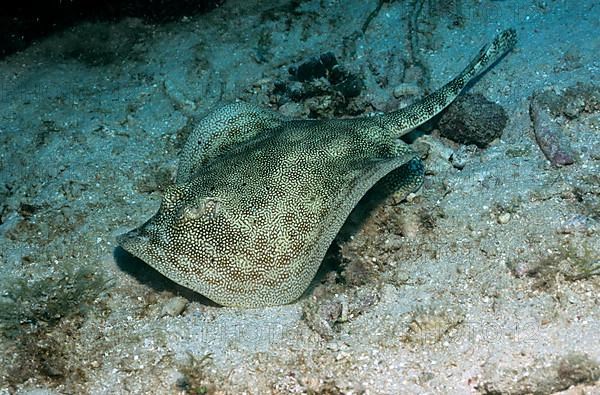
(549, 136)
(473, 119)
(462, 156)
(174, 306)
(315, 67)
(350, 86)
(503, 218)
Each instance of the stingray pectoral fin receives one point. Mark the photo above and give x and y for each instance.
(222, 130)
(402, 121)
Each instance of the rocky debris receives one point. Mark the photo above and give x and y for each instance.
(323, 313)
(543, 376)
(174, 306)
(463, 155)
(323, 85)
(570, 104)
(314, 67)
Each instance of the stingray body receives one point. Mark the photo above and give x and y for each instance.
(259, 198)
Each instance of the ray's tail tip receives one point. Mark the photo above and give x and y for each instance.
(507, 39)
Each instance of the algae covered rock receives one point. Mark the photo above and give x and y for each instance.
(473, 119)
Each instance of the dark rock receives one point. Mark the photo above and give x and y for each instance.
(315, 67)
(338, 74)
(346, 83)
(473, 119)
(325, 87)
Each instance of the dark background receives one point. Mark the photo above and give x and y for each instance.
(24, 21)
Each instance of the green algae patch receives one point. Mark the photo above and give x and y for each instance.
(39, 320)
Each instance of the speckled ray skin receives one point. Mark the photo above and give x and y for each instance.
(259, 198)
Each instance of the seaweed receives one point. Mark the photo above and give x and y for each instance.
(45, 302)
(194, 380)
(545, 375)
(40, 319)
(570, 262)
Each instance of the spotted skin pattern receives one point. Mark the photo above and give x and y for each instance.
(259, 198)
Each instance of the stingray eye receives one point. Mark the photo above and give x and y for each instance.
(191, 213)
(211, 206)
(206, 208)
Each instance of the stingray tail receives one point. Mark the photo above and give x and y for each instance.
(406, 119)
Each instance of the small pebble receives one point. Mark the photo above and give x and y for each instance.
(504, 218)
(408, 226)
(462, 156)
(401, 277)
(174, 306)
(521, 269)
